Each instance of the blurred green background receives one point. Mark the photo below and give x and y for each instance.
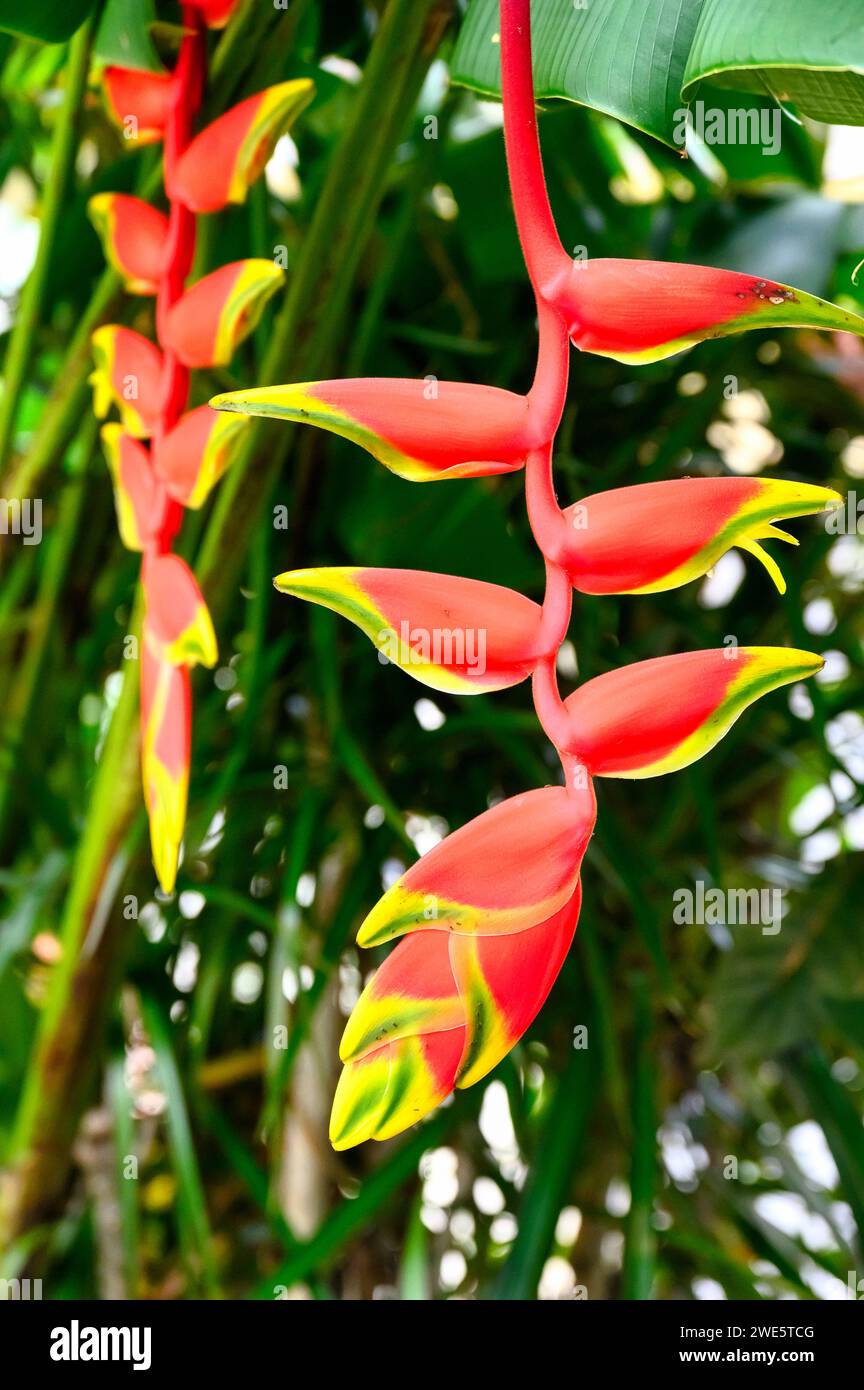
(172, 1126)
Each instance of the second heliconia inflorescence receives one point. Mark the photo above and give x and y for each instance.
(164, 457)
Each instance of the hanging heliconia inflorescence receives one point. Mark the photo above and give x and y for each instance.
(161, 455)
(487, 916)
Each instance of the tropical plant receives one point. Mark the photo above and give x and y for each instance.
(489, 914)
(682, 1117)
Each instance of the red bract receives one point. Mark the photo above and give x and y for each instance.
(658, 716)
(191, 458)
(206, 324)
(656, 536)
(489, 913)
(450, 633)
(138, 102)
(422, 430)
(128, 374)
(227, 157)
(640, 311)
(441, 1012)
(134, 237)
(149, 384)
(166, 718)
(177, 615)
(509, 869)
(139, 502)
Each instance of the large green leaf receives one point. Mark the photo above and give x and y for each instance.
(809, 53)
(52, 21)
(627, 60)
(643, 62)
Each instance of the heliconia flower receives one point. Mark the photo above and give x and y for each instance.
(215, 13)
(504, 982)
(206, 324)
(441, 1012)
(222, 163)
(413, 992)
(422, 430)
(391, 1088)
(139, 503)
(134, 236)
(661, 715)
(177, 616)
(451, 633)
(656, 536)
(166, 714)
(128, 374)
(641, 311)
(505, 871)
(191, 458)
(138, 102)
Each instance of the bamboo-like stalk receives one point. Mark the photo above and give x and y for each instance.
(20, 349)
(22, 695)
(68, 400)
(94, 933)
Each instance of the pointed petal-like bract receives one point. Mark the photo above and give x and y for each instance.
(512, 867)
(661, 715)
(387, 1090)
(191, 458)
(210, 319)
(504, 982)
(134, 237)
(641, 311)
(656, 536)
(222, 163)
(138, 102)
(422, 430)
(413, 992)
(451, 633)
(166, 706)
(441, 1012)
(136, 496)
(128, 374)
(177, 615)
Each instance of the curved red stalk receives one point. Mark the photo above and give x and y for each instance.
(544, 259)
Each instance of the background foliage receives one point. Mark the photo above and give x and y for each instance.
(708, 1139)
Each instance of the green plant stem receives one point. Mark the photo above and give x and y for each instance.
(638, 1272)
(355, 1215)
(21, 341)
(554, 1165)
(93, 934)
(29, 668)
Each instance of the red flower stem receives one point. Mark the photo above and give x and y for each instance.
(547, 520)
(548, 392)
(544, 255)
(557, 607)
(544, 260)
(188, 85)
(550, 707)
